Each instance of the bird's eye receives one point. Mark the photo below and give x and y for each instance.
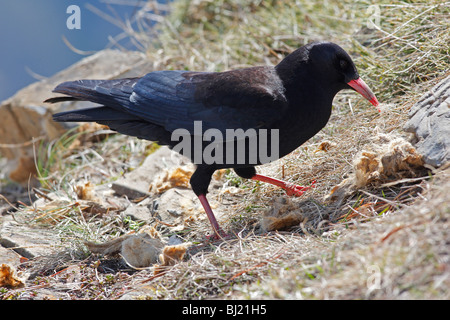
(343, 64)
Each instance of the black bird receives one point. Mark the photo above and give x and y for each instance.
(291, 102)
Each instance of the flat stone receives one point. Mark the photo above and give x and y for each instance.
(9, 256)
(136, 183)
(430, 122)
(176, 203)
(137, 212)
(26, 241)
(170, 207)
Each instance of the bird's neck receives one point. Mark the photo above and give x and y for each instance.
(309, 111)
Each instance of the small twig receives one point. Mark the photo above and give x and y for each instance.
(42, 194)
(393, 203)
(396, 229)
(390, 184)
(154, 277)
(7, 201)
(77, 51)
(21, 145)
(261, 264)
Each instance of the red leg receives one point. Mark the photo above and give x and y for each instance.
(212, 219)
(291, 189)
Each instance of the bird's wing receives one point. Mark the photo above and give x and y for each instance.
(244, 98)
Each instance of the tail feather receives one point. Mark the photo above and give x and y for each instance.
(98, 114)
(121, 122)
(113, 96)
(113, 93)
(60, 99)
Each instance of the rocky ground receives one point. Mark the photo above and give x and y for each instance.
(148, 221)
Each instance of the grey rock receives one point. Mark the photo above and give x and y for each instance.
(430, 122)
(9, 256)
(27, 241)
(136, 183)
(25, 116)
(180, 201)
(174, 240)
(137, 212)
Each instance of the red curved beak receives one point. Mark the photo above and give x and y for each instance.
(360, 86)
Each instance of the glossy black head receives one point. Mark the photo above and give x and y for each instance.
(326, 64)
(331, 63)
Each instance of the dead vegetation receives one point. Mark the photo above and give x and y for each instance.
(374, 227)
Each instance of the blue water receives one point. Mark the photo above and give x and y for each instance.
(31, 37)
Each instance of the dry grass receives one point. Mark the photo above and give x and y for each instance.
(375, 243)
(406, 252)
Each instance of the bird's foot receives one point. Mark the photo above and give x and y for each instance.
(296, 190)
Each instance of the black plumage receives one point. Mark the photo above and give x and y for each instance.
(293, 98)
